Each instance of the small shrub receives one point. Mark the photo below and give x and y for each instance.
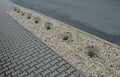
(48, 27)
(22, 14)
(18, 11)
(91, 54)
(29, 17)
(37, 19)
(36, 22)
(92, 51)
(65, 38)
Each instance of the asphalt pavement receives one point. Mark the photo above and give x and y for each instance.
(98, 17)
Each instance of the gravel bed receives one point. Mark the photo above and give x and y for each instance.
(72, 44)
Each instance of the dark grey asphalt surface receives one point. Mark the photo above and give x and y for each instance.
(98, 17)
(24, 55)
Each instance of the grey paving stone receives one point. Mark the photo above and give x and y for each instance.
(3, 70)
(39, 75)
(2, 75)
(9, 71)
(28, 57)
(15, 60)
(18, 67)
(25, 68)
(77, 73)
(47, 61)
(61, 69)
(38, 71)
(21, 61)
(31, 69)
(1, 67)
(46, 66)
(16, 73)
(54, 73)
(34, 58)
(54, 62)
(30, 75)
(23, 74)
(54, 67)
(63, 74)
(70, 70)
(61, 63)
(12, 65)
(40, 59)
(26, 62)
(39, 65)
(32, 63)
(46, 72)
(72, 75)
(6, 64)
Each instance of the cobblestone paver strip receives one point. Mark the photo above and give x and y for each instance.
(24, 55)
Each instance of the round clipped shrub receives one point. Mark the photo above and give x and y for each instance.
(48, 25)
(22, 13)
(91, 54)
(92, 51)
(65, 38)
(37, 19)
(29, 15)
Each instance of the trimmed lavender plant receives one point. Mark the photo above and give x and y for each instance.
(92, 51)
(48, 25)
(37, 19)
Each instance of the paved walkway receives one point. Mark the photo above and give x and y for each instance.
(24, 55)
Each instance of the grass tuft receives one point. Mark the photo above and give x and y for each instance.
(48, 27)
(22, 14)
(29, 17)
(36, 22)
(65, 38)
(18, 11)
(91, 54)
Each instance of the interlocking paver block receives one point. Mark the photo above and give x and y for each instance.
(55, 61)
(70, 70)
(6, 64)
(9, 71)
(33, 64)
(18, 66)
(38, 71)
(31, 69)
(16, 73)
(22, 74)
(54, 67)
(61, 69)
(26, 62)
(61, 63)
(30, 75)
(40, 59)
(46, 66)
(39, 65)
(25, 68)
(54, 73)
(46, 72)
(72, 75)
(63, 74)
(47, 61)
